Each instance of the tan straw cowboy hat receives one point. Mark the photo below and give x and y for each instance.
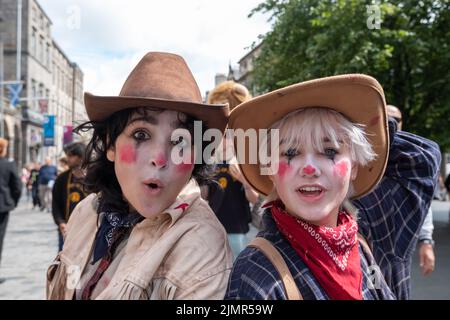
(358, 97)
(160, 80)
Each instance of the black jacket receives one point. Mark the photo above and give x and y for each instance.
(61, 208)
(10, 186)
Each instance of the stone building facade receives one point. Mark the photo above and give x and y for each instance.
(52, 84)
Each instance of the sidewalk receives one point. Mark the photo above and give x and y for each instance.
(436, 285)
(29, 247)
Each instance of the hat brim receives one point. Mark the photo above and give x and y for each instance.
(99, 108)
(359, 97)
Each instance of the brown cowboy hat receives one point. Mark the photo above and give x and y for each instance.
(160, 80)
(358, 97)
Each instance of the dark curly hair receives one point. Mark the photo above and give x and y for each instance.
(100, 175)
(75, 149)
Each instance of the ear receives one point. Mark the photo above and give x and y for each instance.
(111, 154)
(354, 171)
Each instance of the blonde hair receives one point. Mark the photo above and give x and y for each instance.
(310, 126)
(229, 92)
(3, 147)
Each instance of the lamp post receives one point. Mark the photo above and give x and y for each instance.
(19, 40)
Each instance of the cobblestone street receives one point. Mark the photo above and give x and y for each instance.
(29, 247)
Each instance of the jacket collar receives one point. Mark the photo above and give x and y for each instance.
(184, 200)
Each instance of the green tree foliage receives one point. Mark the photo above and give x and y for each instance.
(409, 54)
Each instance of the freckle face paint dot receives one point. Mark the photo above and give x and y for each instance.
(283, 167)
(341, 168)
(128, 154)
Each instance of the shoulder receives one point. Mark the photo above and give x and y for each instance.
(85, 210)
(197, 252)
(201, 231)
(254, 277)
(204, 223)
(62, 177)
(9, 164)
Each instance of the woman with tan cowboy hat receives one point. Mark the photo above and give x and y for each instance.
(335, 145)
(145, 232)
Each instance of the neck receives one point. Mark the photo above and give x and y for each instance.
(330, 220)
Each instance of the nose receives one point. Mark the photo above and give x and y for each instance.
(310, 171)
(159, 161)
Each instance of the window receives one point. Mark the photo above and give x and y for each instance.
(47, 95)
(34, 14)
(33, 94)
(54, 73)
(47, 63)
(41, 91)
(41, 49)
(33, 42)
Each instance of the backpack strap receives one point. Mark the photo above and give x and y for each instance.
(364, 243)
(278, 262)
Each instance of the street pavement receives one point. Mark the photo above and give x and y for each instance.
(31, 244)
(435, 286)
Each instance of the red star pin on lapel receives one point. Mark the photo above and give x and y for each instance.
(182, 206)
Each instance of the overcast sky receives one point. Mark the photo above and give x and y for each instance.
(107, 38)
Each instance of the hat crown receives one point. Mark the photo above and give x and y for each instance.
(162, 75)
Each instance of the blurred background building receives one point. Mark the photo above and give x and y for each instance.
(51, 84)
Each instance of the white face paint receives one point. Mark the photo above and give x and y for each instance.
(313, 184)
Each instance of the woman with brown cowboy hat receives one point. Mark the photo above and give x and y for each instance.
(335, 145)
(145, 232)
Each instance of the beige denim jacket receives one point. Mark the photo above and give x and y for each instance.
(182, 253)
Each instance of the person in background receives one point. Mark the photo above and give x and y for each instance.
(68, 189)
(63, 165)
(32, 184)
(426, 245)
(447, 184)
(427, 255)
(10, 191)
(229, 195)
(24, 178)
(46, 179)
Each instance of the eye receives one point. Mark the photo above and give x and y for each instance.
(330, 153)
(291, 153)
(140, 135)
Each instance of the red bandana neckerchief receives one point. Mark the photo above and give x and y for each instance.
(331, 254)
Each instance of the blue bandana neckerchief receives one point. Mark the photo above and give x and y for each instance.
(112, 222)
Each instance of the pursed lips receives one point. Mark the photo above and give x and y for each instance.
(154, 184)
